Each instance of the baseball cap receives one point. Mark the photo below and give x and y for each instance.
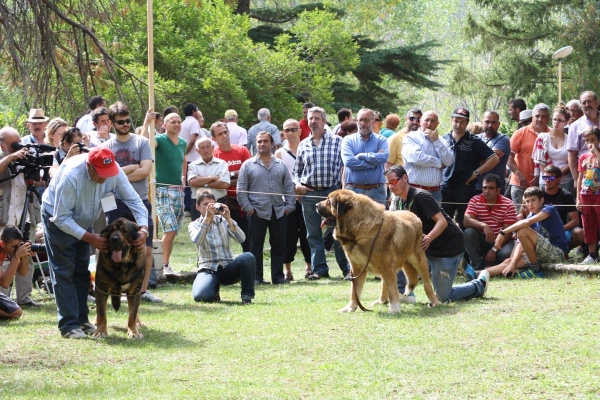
(229, 114)
(461, 113)
(103, 161)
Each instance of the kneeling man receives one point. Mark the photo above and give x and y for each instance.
(442, 242)
(211, 233)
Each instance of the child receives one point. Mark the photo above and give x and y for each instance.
(588, 196)
(541, 238)
(11, 244)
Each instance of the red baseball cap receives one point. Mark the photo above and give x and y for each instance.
(103, 161)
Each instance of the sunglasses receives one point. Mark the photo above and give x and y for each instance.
(411, 119)
(291, 130)
(392, 182)
(550, 178)
(123, 121)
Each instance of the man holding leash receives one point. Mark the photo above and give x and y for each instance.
(84, 185)
(442, 241)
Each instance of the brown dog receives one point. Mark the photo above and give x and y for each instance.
(386, 240)
(120, 269)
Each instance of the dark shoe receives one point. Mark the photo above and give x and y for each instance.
(30, 303)
(316, 277)
(281, 282)
(246, 302)
(261, 282)
(289, 277)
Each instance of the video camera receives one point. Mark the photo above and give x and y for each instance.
(37, 160)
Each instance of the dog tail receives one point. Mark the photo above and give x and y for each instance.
(116, 302)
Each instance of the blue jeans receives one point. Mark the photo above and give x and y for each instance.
(443, 272)
(315, 234)
(242, 268)
(377, 194)
(69, 259)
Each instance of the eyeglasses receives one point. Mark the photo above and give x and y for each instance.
(411, 119)
(550, 178)
(123, 121)
(392, 182)
(558, 120)
(291, 130)
(365, 120)
(377, 120)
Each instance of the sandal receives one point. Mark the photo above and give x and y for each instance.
(288, 277)
(307, 273)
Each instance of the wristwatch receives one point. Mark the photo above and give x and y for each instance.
(495, 250)
(206, 185)
(232, 174)
(145, 231)
(476, 172)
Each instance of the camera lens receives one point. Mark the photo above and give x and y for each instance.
(38, 248)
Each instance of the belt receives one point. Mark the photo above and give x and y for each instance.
(428, 188)
(368, 186)
(317, 187)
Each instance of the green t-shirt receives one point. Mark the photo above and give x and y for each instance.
(169, 160)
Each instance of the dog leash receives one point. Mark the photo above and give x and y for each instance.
(120, 294)
(352, 278)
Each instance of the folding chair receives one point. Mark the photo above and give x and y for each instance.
(40, 265)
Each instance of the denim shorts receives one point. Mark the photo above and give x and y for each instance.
(169, 207)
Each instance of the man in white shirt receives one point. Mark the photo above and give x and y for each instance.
(237, 134)
(190, 131)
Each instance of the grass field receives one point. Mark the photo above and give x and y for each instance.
(534, 339)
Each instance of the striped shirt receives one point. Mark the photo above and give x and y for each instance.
(424, 159)
(213, 241)
(502, 214)
(319, 166)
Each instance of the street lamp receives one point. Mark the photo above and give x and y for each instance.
(559, 55)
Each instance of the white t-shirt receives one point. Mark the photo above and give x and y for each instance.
(190, 126)
(237, 134)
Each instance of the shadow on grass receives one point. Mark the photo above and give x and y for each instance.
(152, 337)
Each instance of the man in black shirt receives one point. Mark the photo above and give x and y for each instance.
(442, 241)
(472, 157)
(565, 202)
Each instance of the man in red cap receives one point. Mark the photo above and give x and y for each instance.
(84, 184)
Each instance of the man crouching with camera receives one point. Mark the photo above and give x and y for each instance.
(212, 234)
(15, 251)
(12, 200)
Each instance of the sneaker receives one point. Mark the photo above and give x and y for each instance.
(469, 273)
(315, 276)
(410, 299)
(75, 334)
(91, 299)
(167, 270)
(88, 328)
(484, 277)
(187, 214)
(246, 302)
(528, 273)
(589, 260)
(348, 276)
(151, 298)
(29, 302)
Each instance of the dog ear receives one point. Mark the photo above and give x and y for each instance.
(342, 206)
(133, 230)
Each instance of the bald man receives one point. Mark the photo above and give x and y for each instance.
(207, 173)
(425, 155)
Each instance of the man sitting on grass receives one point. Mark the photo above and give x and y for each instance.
(541, 238)
(13, 248)
(211, 233)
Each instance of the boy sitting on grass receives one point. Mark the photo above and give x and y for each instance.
(541, 238)
(588, 192)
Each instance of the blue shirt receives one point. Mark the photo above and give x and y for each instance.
(265, 126)
(552, 228)
(73, 199)
(364, 159)
(499, 142)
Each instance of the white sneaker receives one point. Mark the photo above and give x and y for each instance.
(75, 334)
(91, 299)
(151, 298)
(169, 271)
(484, 276)
(410, 299)
(88, 328)
(588, 261)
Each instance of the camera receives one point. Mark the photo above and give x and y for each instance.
(35, 161)
(219, 208)
(83, 148)
(35, 247)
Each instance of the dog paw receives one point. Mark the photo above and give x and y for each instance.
(134, 335)
(379, 302)
(347, 309)
(394, 308)
(100, 334)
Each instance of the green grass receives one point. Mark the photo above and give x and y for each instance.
(526, 339)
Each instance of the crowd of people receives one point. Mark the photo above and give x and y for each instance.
(497, 205)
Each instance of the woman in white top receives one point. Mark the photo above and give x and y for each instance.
(296, 228)
(550, 148)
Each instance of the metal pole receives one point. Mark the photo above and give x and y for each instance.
(559, 81)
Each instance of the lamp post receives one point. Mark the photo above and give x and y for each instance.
(559, 55)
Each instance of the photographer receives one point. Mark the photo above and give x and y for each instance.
(12, 201)
(17, 251)
(212, 233)
(70, 145)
